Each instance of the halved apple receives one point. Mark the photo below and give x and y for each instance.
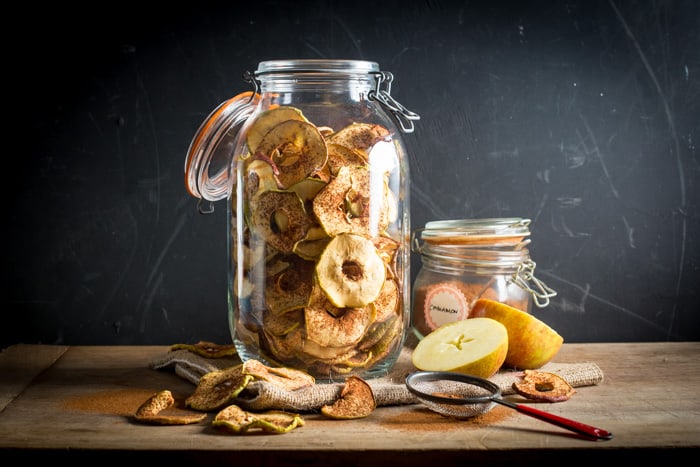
(475, 346)
(531, 342)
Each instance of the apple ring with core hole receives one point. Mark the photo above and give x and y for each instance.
(543, 386)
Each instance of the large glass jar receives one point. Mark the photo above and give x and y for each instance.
(316, 176)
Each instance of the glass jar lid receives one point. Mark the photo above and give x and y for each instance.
(492, 231)
(316, 66)
(207, 166)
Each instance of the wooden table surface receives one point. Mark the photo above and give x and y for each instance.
(58, 402)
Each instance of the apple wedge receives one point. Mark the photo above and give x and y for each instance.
(531, 342)
(475, 346)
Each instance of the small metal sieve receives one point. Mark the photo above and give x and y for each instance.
(464, 396)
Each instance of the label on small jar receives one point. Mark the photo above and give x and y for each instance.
(444, 303)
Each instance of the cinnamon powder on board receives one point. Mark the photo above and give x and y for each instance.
(424, 419)
(123, 402)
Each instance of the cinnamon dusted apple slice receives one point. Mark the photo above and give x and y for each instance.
(290, 288)
(356, 400)
(311, 249)
(543, 386)
(340, 156)
(350, 271)
(360, 136)
(387, 302)
(390, 337)
(238, 421)
(330, 326)
(268, 119)
(155, 411)
(208, 349)
(217, 388)
(280, 218)
(283, 323)
(295, 150)
(289, 379)
(348, 204)
(260, 177)
(307, 189)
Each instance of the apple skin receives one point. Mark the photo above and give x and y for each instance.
(531, 342)
(475, 347)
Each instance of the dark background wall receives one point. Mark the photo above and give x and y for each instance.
(580, 115)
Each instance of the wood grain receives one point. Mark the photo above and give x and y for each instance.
(648, 399)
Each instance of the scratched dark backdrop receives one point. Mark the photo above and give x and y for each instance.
(581, 115)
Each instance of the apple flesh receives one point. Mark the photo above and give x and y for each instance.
(475, 346)
(531, 342)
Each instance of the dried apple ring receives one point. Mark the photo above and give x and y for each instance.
(286, 378)
(280, 218)
(347, 204)
(359, 136)
(267, 120)
(289, 289)
(217, 388)
(356, 401)
(339, 156)
(208, 349)
(543, 386)
(239, 421)
(331, 326)
(295, 148)
(350, 271)
(151, 411)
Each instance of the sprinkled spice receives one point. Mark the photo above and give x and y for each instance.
(424, 419)
(116, 402)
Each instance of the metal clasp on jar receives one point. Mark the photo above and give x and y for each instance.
(526, 274)
(402, 115)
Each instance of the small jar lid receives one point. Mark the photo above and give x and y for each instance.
(316, 66)
(509, 231)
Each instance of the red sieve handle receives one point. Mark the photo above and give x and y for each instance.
(572, 425)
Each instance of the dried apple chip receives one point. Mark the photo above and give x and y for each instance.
(387, 302)
(350, 271)
(208, 349)
(340, 156)
(217, 388)
(543, 386)
(289, 289)
(356, 401)
(286, 378)
(151, 411)
(360, 136)
(332, 326)
(267, 120)
(354, 202)
(296, 149)
(239, 421)
(280, 218)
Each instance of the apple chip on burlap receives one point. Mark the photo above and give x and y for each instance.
(388, 390)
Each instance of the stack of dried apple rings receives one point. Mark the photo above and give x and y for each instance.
(318, 288)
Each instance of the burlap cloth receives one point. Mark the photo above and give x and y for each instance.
(388, 390)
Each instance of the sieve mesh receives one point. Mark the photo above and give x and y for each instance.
(453, 398)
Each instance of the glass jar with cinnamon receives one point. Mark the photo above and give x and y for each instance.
(464, 260)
